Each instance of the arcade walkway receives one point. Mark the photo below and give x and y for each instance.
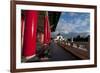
(59, 54)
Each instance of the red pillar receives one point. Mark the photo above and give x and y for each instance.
(29, 44)
(46, 31)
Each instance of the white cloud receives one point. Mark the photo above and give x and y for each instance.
(64, 27)
(73, 14)
(75, 25)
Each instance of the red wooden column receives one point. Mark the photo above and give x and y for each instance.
(29, 44)
(47, 30)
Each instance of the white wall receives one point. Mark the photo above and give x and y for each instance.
(5, 36)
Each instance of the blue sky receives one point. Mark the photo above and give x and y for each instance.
(73, 22)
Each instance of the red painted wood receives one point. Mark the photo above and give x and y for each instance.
(29, 44)
(46, 31)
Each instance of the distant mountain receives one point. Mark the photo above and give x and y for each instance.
(72, 34)
(85, 34)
